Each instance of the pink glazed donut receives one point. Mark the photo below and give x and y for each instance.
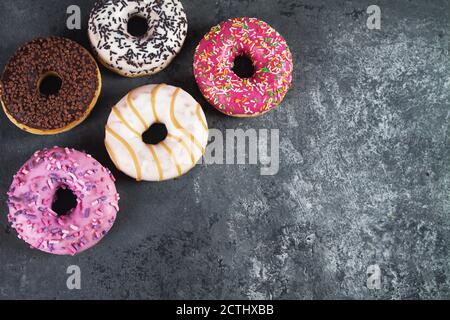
(32, 194)
(272, 61)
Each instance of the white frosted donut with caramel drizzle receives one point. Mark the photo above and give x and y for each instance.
(181, 150)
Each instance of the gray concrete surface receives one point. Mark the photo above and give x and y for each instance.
(364, 168)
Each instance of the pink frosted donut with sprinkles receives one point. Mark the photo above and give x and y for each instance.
(272, 61)
(32, 194)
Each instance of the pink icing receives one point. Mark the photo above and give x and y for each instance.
(33, 190)
(272, 59)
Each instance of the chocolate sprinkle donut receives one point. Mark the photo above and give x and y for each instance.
(134, 56)
(80, 85)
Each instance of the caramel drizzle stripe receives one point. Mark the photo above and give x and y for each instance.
(125, 122)
(185, 146)
(112, 155)
(170, 152)
(153, 94)
(138, 115)
(130, 150)
(199, 116)
(158, 163)
(179, 126)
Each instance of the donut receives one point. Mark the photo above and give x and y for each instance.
(59, 59)
(33, 191)
(187, 133)
(136, 56)
(272, 60)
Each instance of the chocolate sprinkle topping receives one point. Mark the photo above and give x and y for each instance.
(26, 69)
(137, 56)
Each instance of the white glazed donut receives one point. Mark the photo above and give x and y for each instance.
(181, 150)
(137, 56)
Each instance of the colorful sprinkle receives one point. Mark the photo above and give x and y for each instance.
(30, 201)
(272, 60)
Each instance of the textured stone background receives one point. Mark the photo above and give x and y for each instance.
(364, 176)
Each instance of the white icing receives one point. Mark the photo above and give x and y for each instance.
(137, 56)
(187, 124)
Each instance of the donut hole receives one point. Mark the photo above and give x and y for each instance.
(243, 67)
(155, 134)
(137, 26)
(49, 84)
(64, 201)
